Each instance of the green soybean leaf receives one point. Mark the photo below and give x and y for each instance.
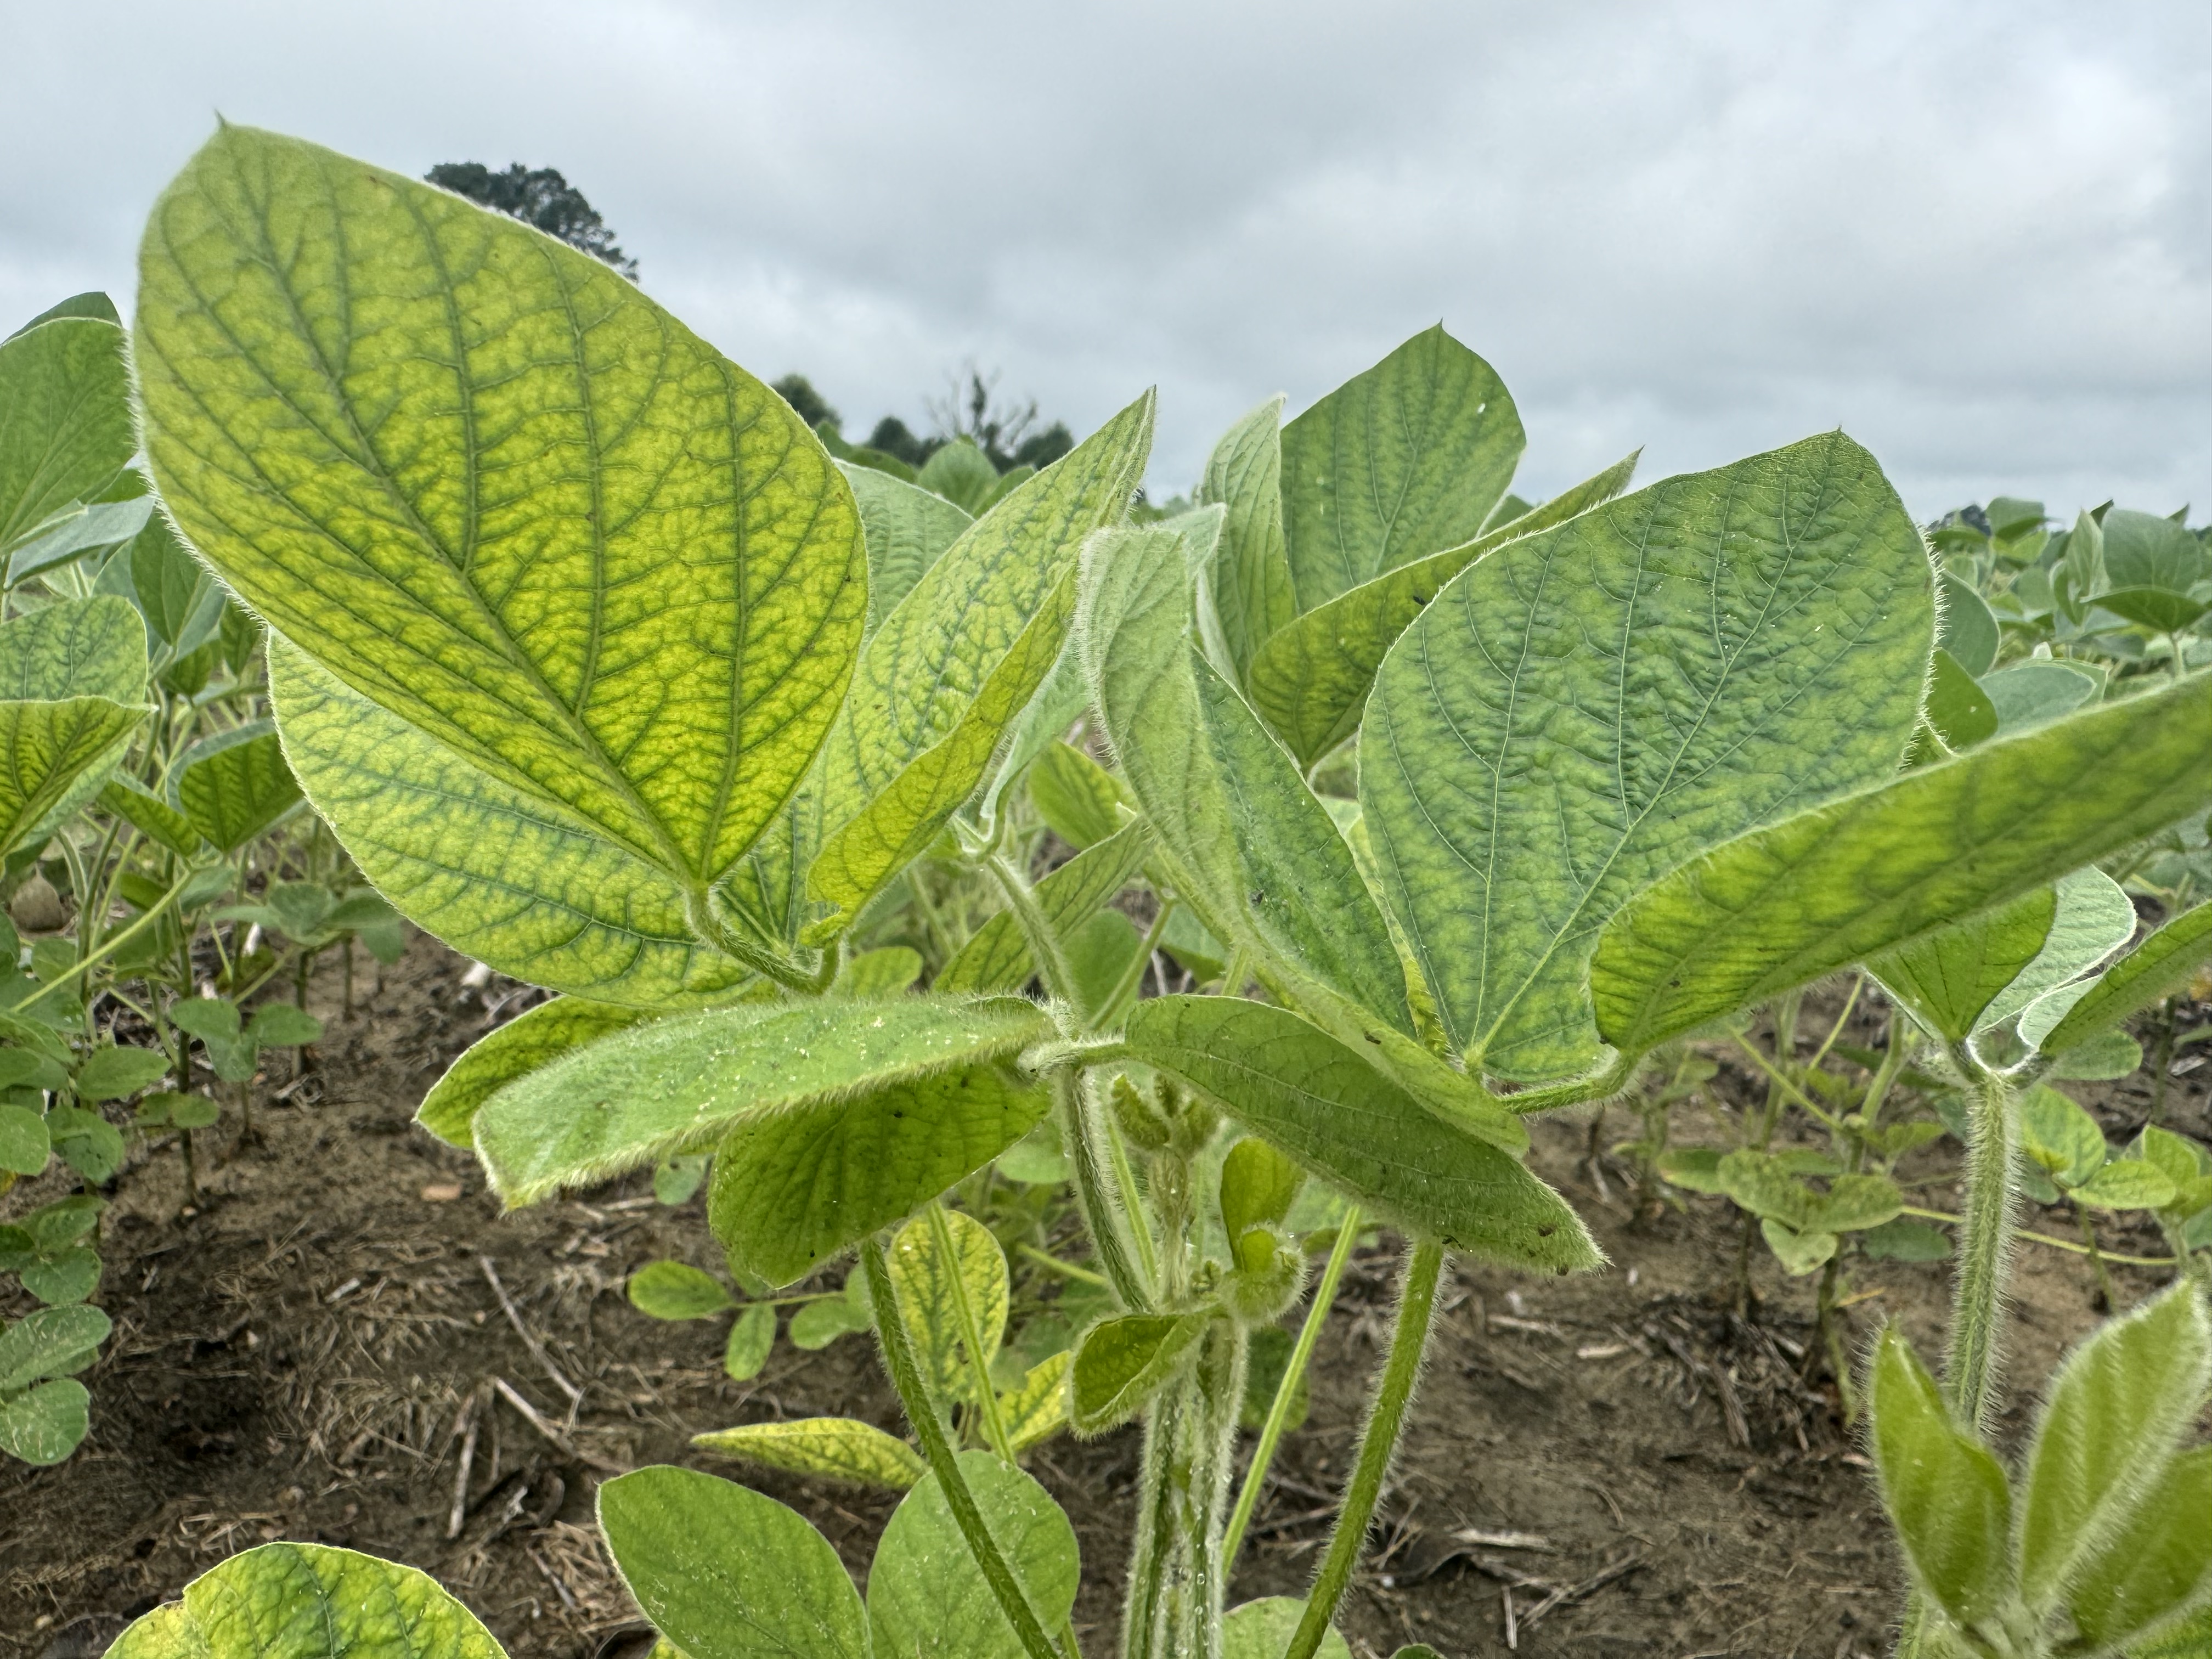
(818, 1324)
(1968, 628)
(1122, 1362)
(888, 971)
(497, 873)
(2126, 1184)
(1906, 1241)
(1245, 591)
(962, 474)
(1799, 1253)
(1586, 708)
(1853, 1203)
(2154, 970)
(908, 530)
(2095, 917)
(150, 814)
(1258, 1186)
(1958, 709)
(1248, 843)
(1075, 797)
(45, 1424)
(2157, 1563)
(111, 1074)
(91, 303)
(65, 421)
(996, 957)
(2154, 608)
(752, 1334)
(676, 1290)
(960, 658)
(283, 1025)
(1310, 679)
(836, 1446)
(927, 1596)
(1947, 1496)
(310, 1601)
(927, 1282)
(2032, 693)
(92, 648)
(531, 1040)
(794, 1185)
(680, 1084)
(725, 1573)
(1035, 1408)
(179, 597)
(1326, 1106)
(51, 1342)
(236, 784)
(573, 541)
(1950, 978)
(2142, 550)
(2058, 1135)
(25, 1145)
(54, 754)
(1405, 460)
(1780, 906)
(1263, 1629)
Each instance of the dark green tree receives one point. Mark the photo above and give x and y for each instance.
(810, 405)
(539, 197)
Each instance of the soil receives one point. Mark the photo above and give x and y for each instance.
(1619, 1463)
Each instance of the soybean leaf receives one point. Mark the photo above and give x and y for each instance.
(90, 303)
(725, 1573)
(1947, 1496)
(2154, 608)
(2032, 693)
(1586, 708)
(1405, 459)
(1122, 1362)
(309, 1601)
(1075, 796)
(1245, 589)
(111, 1073)
(888, 971)
(283, 1025)
(1799, 1253)
(958, 659)
(67, 1277)
(961, 473)
(752, 1333)
(2189, 1640)
(836, 1446)
(573, 541)
(25, 1145)
(1263, 1629)
(92, 648)
(1780, 906)
(45, 1424)
(1968, 628)
(1258, 1186)
(996, 957)
(2058, 1135)
(2142, 550)
(1248, 843)
(497, 873)
(795, 1185)
(1958, 709)
(818, 1324)
(2126, 1184)
(1310, 679)
(1035, 1408)
(51, 1342)
(676, 1290)
(2156, 1563)
(1331, 1110)
(927, 1596)
(236, 784)
(179, 597)
(51, 755)
(1905, 1241)
(2095, 917)
(150, 814)
(2161, 964)
(1949, 978)
(927, 1282)
(908, 530)
(65, 419)
(680, 1084)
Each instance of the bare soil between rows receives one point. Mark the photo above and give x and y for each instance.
(293, 1358)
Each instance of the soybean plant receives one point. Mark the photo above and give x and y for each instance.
(604, 671)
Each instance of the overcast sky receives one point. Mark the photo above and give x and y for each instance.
(1976, 236)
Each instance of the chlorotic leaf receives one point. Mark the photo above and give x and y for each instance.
(236, 784)
(1947, 1497)
(1759, 634)
(795, 1185)
(996, 957)
(515, 882)
(1122, 1362)
(490, 485)
(681, 1084)
(1780, 906)
(926, 1597)
(1311, 678)
(1348, 1123)
(836, 1446)
(1405, 459)
(929, 1285)
(52, 754)
(726, 1573)
(1075, 797)
(94, 648)
(1035, 1408)
(531, 1039)
(65, 419)
(149, 815)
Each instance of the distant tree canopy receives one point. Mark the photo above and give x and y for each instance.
(812, 407)
(1008, 434)
(539, 197)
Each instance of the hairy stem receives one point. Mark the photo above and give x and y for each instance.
(943, 1462)
(1985, 1234)
(1037, 931)
(1081, 1133)
(1417, 1302)
(1278, 1411)
(1176, 1579)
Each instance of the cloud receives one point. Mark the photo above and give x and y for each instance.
(1978, 236)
